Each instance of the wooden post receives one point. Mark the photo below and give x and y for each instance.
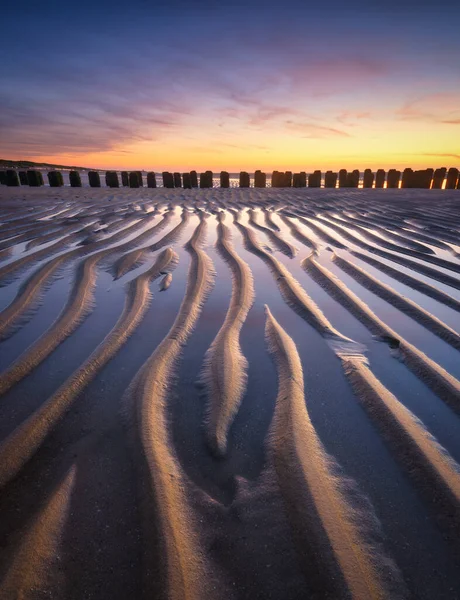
(343, 178)
(111, 179)
(168, 179)
(380, 178)
(177, 180)
(260, 179)
(124, 179)
(452, 178)
(352, 179)
(224, 179)
(275, 179)
(12, 179)
(133, 179)
(35, 178)
(314, 179)
(206, 179)
(368, 179)
(55, 179)
(2, 177)
(288, 179)
(330, 179)
(194, 179)
(244, 179)
(438, 178)
(94, 179)
(393, 179)
(23, 177)
(75, 179)
(424, 178)
(151, 180)
(187, 181)
(139, 176)
(407, 178)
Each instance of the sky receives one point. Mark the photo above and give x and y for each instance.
(183, 85)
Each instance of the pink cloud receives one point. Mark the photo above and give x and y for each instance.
(439, 107)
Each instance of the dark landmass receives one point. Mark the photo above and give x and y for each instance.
(27, 164)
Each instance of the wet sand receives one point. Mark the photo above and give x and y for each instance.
(229, 394)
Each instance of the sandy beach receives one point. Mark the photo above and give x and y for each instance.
(229, 394)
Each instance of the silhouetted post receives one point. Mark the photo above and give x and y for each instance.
(343, 178)
(194, 179)
(177, 180)
(111, 179)
(393, 179)
(260, 179)
(274, 179)
(452, 178)
(296, 180)
(380, 178)
(168, 179)
(352, 179)
(34, 178)
(151, 180)
(368, 179)
(330, 179)
(23, 177)
(438, 178)
(424, 178)
(124, 179)
(75, 179)
(186, 181)
(407, 178)
(288, 179)
(141, 181)
(2, 177)
(94, 179)
(12, 179)
(55, 179)
(224, 179)
(314, 179)
(206, 179)
(133, 179)
(244, 179)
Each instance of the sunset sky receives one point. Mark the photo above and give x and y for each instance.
(182, 85)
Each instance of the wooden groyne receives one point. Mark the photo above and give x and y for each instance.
(436, 179)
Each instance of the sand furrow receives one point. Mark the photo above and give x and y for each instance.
(29, 293)
(433, 375)
(321, 518)
(24, 441)
(274, 237)
(299, 235)
(414, 283)
(403, 304)
(134, 259)
(224, 371)
(402, 260)
(268, 218)
(185, 567)
(321, 233)
(433, 259)
(291, 290)
(426, 461)
(29, 573)
(14, 269)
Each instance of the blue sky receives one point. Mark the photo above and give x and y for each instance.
(168, 84)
